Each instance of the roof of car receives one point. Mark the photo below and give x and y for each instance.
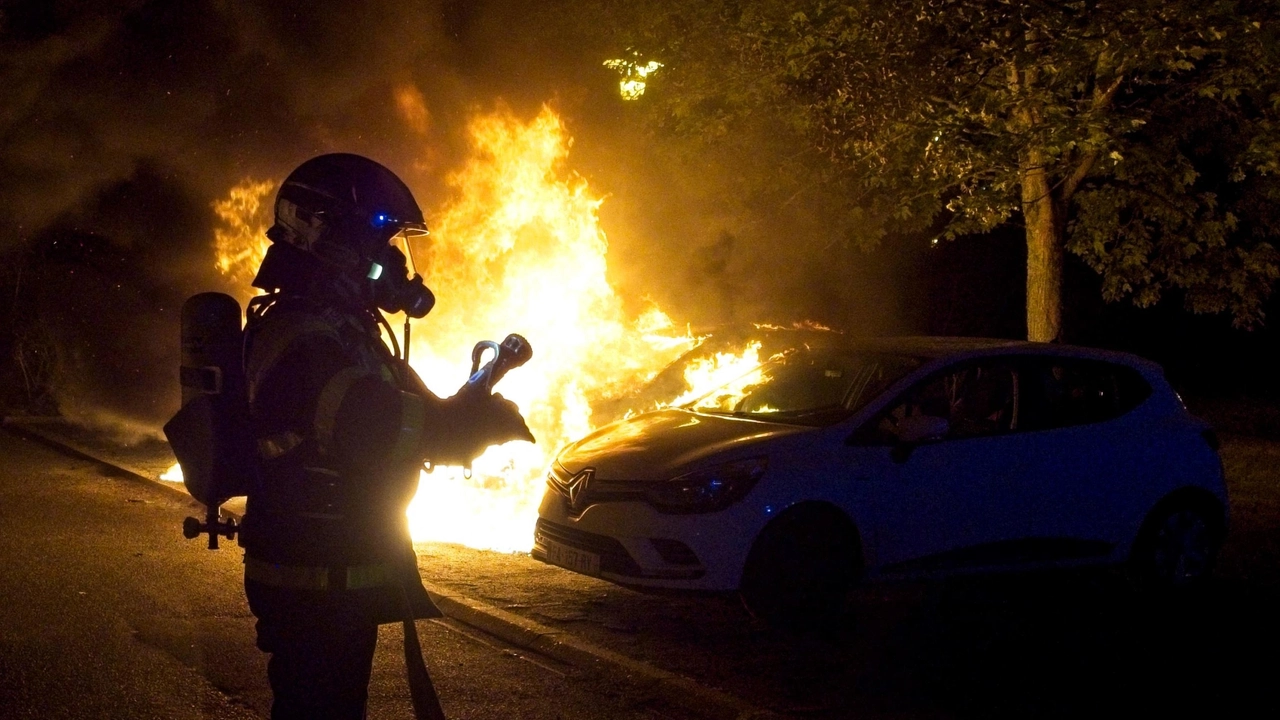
(937, 347)
(932, 347)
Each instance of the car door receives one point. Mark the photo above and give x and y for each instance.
(953, 501)
(1087, 454)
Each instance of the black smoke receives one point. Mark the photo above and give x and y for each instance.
(121, 122)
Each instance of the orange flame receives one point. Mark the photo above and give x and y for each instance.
(730, 375)
(520, 249)
(517, 248)
(240, 244)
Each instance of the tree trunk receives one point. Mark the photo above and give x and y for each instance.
(1044, 252)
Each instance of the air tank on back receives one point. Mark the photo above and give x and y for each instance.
(211, 345)
(210, 435)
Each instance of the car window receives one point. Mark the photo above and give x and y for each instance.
(1061, 392)
(810, 386)
(975, 399)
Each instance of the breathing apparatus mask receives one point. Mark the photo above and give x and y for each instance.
(394, 289)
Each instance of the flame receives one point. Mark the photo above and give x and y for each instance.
(518, 247)
(240, 244)
(798, 325)
(729, 375)
(173, 474)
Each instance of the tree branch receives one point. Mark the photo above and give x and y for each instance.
(1101, 100)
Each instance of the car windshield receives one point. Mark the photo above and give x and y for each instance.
(807, 387)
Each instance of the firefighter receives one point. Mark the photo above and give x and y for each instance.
(342, 428)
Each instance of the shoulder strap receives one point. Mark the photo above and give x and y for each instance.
(272, 340)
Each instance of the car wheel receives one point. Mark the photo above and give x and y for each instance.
(800, 571)
(1176, 548)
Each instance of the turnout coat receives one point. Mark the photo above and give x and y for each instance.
(342, 427)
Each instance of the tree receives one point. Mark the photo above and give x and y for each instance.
(1143, 136)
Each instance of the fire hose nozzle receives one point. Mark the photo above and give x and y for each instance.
(513, 352)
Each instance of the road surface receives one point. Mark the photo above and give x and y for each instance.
(107, 612)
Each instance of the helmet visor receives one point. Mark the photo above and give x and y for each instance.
(405, 238)
(414, 230)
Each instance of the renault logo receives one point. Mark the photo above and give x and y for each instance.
(578, 486)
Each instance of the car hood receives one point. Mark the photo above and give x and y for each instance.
(655, 445)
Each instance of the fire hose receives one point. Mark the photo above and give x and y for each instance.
(513, 352)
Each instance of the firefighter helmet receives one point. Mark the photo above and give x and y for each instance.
(343, 210)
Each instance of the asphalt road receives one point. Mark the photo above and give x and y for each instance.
(107, 612)
(162, 630)
(1083, 644)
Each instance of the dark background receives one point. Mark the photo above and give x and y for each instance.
(121, 122)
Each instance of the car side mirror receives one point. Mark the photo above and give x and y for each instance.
(920, 428)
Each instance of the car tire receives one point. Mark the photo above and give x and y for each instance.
(800, 571)
(1177, 547)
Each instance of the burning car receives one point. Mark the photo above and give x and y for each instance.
(909, 458)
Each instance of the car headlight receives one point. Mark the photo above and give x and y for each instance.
(709, 489)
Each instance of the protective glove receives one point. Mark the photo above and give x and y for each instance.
(471, 423)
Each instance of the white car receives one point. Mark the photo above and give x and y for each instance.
(906, 457)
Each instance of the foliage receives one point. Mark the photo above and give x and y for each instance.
(718, 101)
(1156, 123)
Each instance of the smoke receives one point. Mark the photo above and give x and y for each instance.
(123, 121)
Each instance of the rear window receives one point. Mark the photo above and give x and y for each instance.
(1061, 392)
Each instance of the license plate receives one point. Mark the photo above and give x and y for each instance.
(572, 558)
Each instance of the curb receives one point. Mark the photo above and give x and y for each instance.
(30, 429)
(520, 632)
